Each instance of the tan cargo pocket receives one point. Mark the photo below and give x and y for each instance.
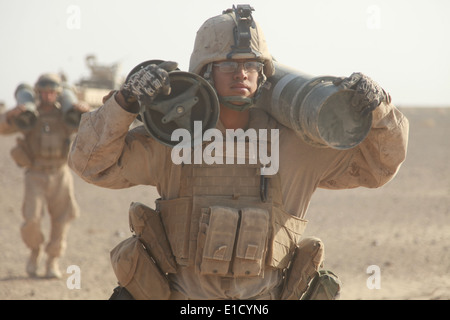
(147, 225)
(307, 260)
(20, 155)
(251, 243)
(137, 272)
(286, 235)
(219, 241)
(176, 218)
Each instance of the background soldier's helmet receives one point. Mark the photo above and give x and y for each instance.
(49, 81)
(226, 37)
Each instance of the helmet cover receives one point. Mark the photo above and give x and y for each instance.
(220, 38)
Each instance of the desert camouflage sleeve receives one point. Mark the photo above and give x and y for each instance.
(378, 158)
(107, 154)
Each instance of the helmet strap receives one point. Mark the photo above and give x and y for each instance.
(207, 75)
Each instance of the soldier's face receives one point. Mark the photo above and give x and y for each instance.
(48, 96)
(240, 82)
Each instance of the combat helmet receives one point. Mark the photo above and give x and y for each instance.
(232, 35)
(48, 81)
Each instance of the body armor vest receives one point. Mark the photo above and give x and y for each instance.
(229, 220)
(46, 145)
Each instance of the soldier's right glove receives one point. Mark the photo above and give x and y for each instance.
(148, 82)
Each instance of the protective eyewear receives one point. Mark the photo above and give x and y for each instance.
(232, 66)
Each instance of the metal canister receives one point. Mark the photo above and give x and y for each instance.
(68, 99)
(192, 99)
(317, 110)
(25, 96)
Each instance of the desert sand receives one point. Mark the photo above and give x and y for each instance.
(401, 230)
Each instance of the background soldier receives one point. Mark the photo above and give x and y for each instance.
(229, 242)
(47, 135)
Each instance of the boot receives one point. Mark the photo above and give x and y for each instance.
(32, 263)
(53, 268)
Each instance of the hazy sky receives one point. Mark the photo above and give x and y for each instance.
(403, 44)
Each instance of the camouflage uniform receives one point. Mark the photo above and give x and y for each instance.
(117, 158)
(48, 181)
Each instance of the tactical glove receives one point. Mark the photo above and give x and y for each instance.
(148, 82)
(368, 94)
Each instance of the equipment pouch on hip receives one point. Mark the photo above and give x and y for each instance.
(20, 155)
(176, 219)
(148, 227)
(325, 286)
(286, 235)
(137, 272)
(307, 259)
(252, 242)
(218, 236)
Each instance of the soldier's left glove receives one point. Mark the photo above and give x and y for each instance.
(368, 94)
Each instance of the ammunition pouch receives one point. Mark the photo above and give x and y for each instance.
(308, 257)
(141, 263)
(224, 231)
(232, 238)
(20, 154)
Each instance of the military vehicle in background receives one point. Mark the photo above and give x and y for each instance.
(102, 80)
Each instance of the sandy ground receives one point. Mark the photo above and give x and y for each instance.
(402, 230)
